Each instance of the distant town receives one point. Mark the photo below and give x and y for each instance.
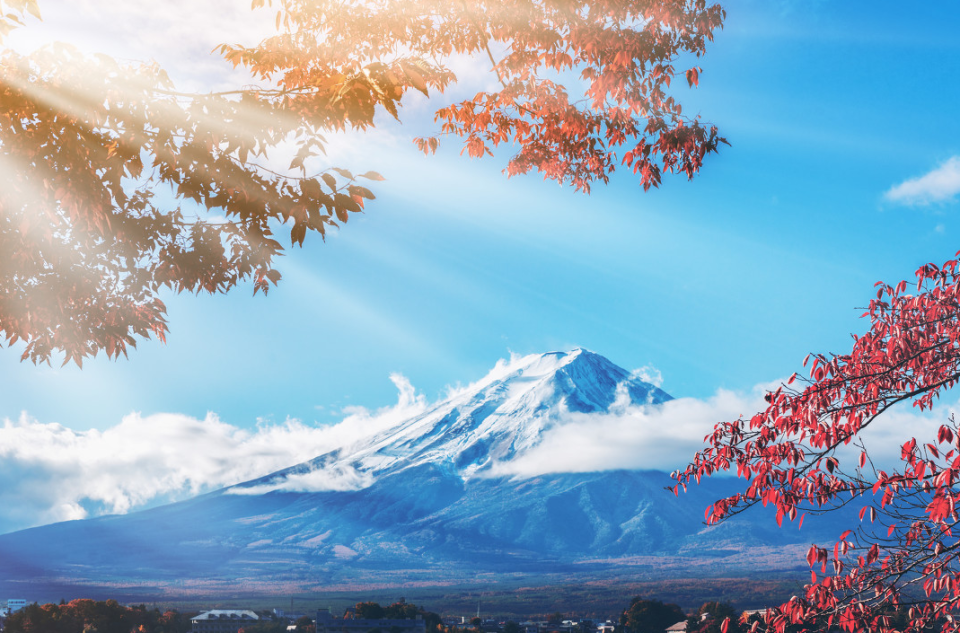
(19, 615)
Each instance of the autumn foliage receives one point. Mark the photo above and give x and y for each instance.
(115, 187)
(401, 610)
(83, 615)
(899, 569)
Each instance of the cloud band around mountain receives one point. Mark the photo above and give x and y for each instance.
(51, 473)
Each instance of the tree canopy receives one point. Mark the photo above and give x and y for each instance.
(650, 616)
(368, 611)
(79, 616)
(116, 186)
(904, 556)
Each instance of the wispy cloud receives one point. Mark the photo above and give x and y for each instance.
(937, 186)
(50, 473)
(649, 374)
(339, 477)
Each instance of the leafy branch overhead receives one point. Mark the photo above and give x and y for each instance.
(619, 55)
(116, 186)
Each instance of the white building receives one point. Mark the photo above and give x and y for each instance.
(15, 604)
(223, 621)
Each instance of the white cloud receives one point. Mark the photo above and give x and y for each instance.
(667, 436)
(884, 437)
(338, 477)
(648, 374)
(50, 473)
(663, 437)
(940, 185)
(179, 34)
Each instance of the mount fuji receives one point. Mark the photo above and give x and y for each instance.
(471, 432)
(429, 500)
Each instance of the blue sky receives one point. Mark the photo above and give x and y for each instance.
(724, 282)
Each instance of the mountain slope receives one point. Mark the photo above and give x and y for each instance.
(419, 502)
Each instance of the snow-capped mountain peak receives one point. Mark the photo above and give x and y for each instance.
(493, 420)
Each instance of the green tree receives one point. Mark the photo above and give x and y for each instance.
(401, 611)
(368, 611)
(432, 621)
(116, 186)
(650, 616)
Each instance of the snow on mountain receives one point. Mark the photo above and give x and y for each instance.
(492, 421)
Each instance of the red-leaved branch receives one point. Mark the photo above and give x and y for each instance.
(899, 569)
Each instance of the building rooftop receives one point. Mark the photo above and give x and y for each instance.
(227, 614)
